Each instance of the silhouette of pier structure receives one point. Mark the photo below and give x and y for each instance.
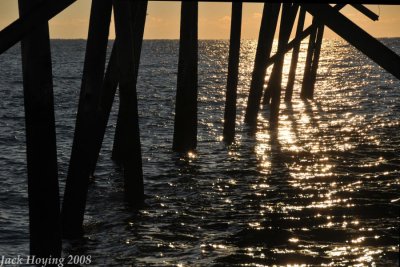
(48, 224)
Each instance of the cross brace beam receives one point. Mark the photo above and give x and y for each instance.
(356, 36)
(38, 15)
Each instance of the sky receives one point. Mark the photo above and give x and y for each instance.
(214, 20)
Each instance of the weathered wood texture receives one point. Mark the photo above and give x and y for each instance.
(233, 74)
(185, 126)
(265, 41)
(82, 149)
(129, 117)
(43, 194)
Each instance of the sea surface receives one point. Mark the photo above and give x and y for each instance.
(321, 190)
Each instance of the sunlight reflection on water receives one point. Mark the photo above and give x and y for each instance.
(322, 189)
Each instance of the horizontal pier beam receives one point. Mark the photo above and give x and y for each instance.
(357, 37)
(43, 12)
(376, 2)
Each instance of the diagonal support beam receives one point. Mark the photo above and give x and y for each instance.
(366, 11)
(37, 16)
(356, 36)
(274, 85)
(297, 40)
(264, 46)
(76, 186)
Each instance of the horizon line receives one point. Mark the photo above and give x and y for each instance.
(211, 39)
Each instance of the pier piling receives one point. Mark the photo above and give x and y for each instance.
(298, 39)
(138, 20)
(274, 85)
(128, 114)
(83, 144)
(312, 61)
(43, 194)
(233, 74)
(47, 224)
(305, 87)
(265, 41)
(315, 62)
(295, 57)
(109, 88)
(185, 126)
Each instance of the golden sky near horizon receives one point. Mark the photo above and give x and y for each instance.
(214, 20)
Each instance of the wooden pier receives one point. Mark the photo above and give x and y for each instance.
(48, 224)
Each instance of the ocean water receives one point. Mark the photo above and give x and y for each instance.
(323, 189)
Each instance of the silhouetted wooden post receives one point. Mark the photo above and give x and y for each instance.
(276, 73)
(129, 118)
(44, 203)
(117, 151)
(139, 11)
(185, 127)
(233, 73)
(304, 34)
(110, 84)
(315, 62)
(274, 85)
(295, 57)
(264, 47)
(304, 94)
(82, 149)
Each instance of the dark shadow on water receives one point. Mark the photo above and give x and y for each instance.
(290, 113)
(309, 111)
